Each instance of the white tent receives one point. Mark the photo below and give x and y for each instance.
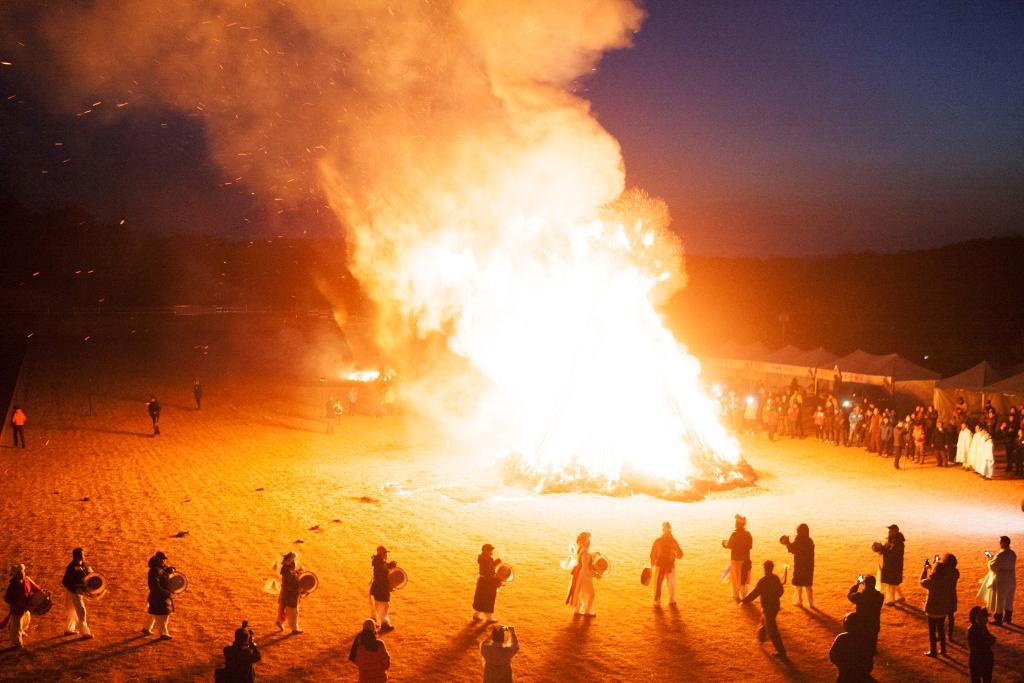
(906, 381)
(969, 385)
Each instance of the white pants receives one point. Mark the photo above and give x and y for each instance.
(291, 617)
(739, 589)
(670, 583)
(586, 599)
(488, 616)
(892, 592)
(801, 592)
(74, 604)
(18, 625)
(379, 611)
(159, 621)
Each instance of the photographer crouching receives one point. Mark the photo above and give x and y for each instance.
(239, 658)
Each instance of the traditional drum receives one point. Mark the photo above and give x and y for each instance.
(39, 603)
(397, 578)
(95, 586)
(645, 576)
(600, 565)
(176, 583)
(308, 583)
(504, 574)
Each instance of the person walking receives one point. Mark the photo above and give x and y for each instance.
(868, 602)
(664, 552)
(380, 589)
(74, 594)
(197, 392)
(770, 590)
(486, 584)
(153, 407)
(802, 548)
(852, 652)
(288, 600)
(370, 655)
(892, 565)
(19, 590)
(1000, 585)
(160, 600)
(582, 594)
(980, 660)
(497, 652)
(937, 607)
(739, 546)
(18, 420)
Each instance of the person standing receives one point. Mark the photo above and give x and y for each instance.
(329, 414)
(582, 594)
(160, 599)
(885, 437)
(949, 559)
(852, 652)
(74, 594)
(739, 545)
(892, 565)
(998, 588)
(153, 406)
(19, 590)
(868, 603)
(770, 590)
(380, 589)
(197, 392)
(18, 420)
(802, 548)
(937, 605)
(486, 584)
(981, 660)
(370, 655)
(664, 553)
(498, 651)
(288, 601)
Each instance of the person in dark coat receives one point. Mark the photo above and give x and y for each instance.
(868, 604)
(949, 560)
(288, 601)
(74, 598)
(892, 565)
(937, 583)
(802, 548)
(197, 392)
(981, 660)
(739, 545)
(160, 600)
(486, 584)
(240, 659)
(153, 406)
(852, 652)
(770, 590)
(664, 552)
(380, 589)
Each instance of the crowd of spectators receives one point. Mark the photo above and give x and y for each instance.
(920, 435)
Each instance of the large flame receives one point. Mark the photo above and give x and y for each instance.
(515, 282)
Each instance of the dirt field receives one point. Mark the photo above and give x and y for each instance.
(249, 475)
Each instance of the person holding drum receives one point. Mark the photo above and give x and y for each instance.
(74, 594)
(380, 589)
(581, 588)
(486, 584)
(19, 591)
(160, 600)
(664, 552)
(288, 603)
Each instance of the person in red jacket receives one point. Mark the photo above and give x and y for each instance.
(18, 420)
(19, 590)
(369, 655)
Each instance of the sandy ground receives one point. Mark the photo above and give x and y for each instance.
(250, 474)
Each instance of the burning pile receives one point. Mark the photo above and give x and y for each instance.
(514, 278)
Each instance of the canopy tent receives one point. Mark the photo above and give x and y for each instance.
(969, 385)
(907, 382)
(1007, 392)
(753, 364)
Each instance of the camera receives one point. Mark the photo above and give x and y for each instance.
(927, 562)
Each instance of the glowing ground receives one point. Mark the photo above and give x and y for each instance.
(252, 472)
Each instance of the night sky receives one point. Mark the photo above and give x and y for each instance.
(770, 128)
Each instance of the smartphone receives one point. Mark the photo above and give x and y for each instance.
(936, 559)
(860, 579)
(988, 554)
(927, 562)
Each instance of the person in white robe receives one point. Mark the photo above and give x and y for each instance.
(963, 444)
(581, 588)
(986, 464)
(972, 450)
(1000, 584)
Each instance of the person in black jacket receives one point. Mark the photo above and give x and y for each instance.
(852, 652)
(239, 659)
(664, 552)
(486, 584)
(892, 565)
(74, 598)
(739, 545)
(153, 406)
(770, 590)
(949, 560)
(380, 589)
(160, 600)
(197, 392)
(802, 548)
(981, 660)
(868, 604)
(288, 601)
(938, 585)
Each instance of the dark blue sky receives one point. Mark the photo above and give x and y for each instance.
(769, 128)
